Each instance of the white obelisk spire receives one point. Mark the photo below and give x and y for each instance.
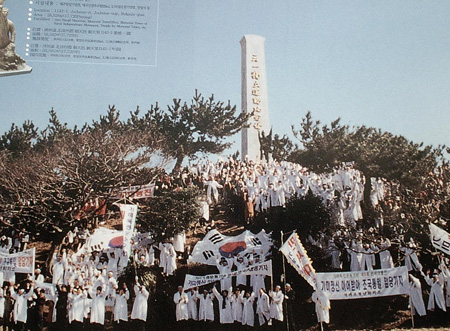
(254, 94)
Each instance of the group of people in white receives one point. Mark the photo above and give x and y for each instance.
(438, 281)
(268, 185)
(244, 307)
(83, 287)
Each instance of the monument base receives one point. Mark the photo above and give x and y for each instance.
(23, 69)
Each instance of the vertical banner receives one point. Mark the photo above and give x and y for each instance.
(296, 255)
(129, 213)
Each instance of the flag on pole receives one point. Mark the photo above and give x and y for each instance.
(296, 255)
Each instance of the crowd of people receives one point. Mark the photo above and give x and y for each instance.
(82, 291)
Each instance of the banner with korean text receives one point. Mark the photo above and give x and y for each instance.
(440, 239)
(264, 268)
(21, 262)
(296, 255)
(129, 213)
(215, 244)
(363, 284)
(135, 192)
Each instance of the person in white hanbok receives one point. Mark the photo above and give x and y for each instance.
(236, 305)
(263, 307)
(212, 191)
(110, 288)
(179, 242)
(206, 306)
(276, 304)
(415, 296)
(20, 306)
(368, 258)
(446, 275)
(225, 311)
(240, 264)
(181, 301)
(386, 261)
(59, 265)
(257, 281)
(76, 308)
(168, 258)
(121, 298)
(97, 307)
(224, 265)
(322, 306)
(140, 305)
(192, 304)
(248, 314)
(355, 255)
(411, 259)
(436, 297)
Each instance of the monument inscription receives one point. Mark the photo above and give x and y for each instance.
(254, 94)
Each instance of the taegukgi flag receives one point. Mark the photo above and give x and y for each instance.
(296, 255)
(215, 244)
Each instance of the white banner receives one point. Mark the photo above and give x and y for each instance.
(21, 262)
(135, 192)
(129, 213)
(264, 268)
(215, 244)
(440, 239)
(296, 255)
(363, 284)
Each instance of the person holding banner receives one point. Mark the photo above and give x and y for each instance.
(224, 267)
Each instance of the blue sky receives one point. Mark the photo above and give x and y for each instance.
(379, 63)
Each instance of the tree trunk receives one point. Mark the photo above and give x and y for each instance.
(177, 167)
(368, 211)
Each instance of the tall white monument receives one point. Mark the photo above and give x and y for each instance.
(254, 94)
